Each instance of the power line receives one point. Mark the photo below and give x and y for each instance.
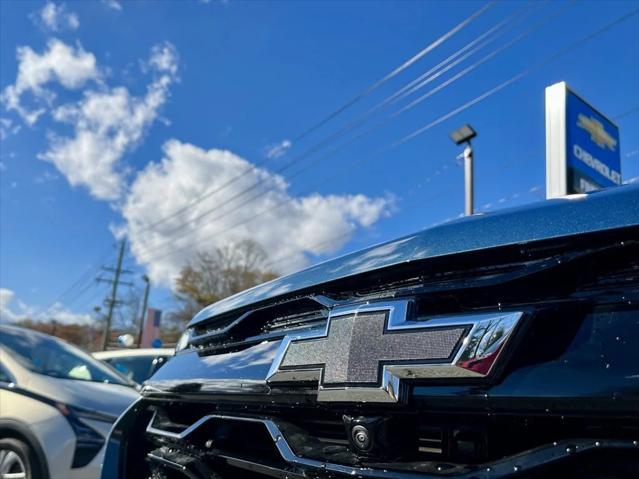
(284, 202)
(87, 287)
(485, 95)
(626, 113)
(504, 166)
(441, 168)
(272, 209)
(336, 238)
(171, 239)
(517, 77)
(92, 299)
(255, 216)
(84, 276)
(347, 233)
(484, 59)
(397, 70)
(344, 107)
(429, 74)
(422, 80)
(180, 228)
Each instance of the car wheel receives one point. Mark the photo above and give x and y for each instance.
(16, 460)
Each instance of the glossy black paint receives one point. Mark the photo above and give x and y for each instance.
(597, 371)
(563, 402)
(569, 216)
(580, 350)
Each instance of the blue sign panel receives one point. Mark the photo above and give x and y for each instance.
(592, 143)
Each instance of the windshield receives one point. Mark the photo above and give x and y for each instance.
(52, 357)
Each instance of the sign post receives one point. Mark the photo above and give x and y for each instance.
(582, 145)
(151, 331)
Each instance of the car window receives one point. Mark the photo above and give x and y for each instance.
(55, 358)
(136, 368)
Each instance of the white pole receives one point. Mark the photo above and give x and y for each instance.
(468, 178)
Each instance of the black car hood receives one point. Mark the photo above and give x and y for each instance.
(571, 215)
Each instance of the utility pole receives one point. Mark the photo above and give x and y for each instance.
(147, 289)
(112, 301)
(460, 136)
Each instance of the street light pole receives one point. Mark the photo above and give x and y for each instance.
(461, 136)
(468, 180)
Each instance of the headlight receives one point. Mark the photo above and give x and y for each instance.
(184, 341)
(88, 441)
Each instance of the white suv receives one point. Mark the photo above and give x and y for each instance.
(57, 405)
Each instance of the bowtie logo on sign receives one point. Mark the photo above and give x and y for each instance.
(598, 133)
(582, 145)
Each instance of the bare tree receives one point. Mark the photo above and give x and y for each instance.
(218, 274)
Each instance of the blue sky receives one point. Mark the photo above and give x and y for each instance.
(171, 100)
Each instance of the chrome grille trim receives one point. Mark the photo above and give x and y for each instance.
(524, 461)
(398, 320)
(283, 448)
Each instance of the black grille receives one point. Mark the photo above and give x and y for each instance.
(268, 323)
(236, 442)
(430, 440)
(517, 275)
(295, 321)
(325, 429)
(581, 328)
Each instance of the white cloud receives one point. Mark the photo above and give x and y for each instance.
(107, 124)
(313, 224)
(6, 296)
(70, 67)
(112, 4)
(7, 128)
(64, 315)
(55, 17)
(45, 177)
(221, 2)
(12, 310)
(278, 150)
(164, 58)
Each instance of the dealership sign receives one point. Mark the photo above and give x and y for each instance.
(582, 145)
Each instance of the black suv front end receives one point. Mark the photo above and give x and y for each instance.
(499, 346)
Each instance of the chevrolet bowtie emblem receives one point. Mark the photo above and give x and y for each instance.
(597, 132)
(366, 350)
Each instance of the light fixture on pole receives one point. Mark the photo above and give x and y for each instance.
(460, 136)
